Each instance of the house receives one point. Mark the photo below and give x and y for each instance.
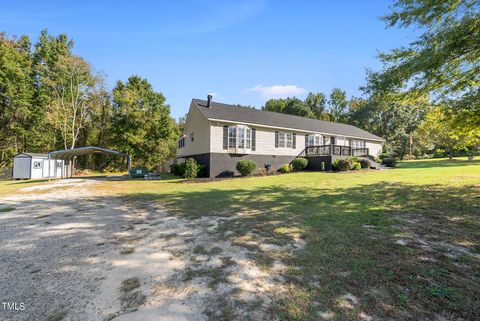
(219, 135)
(35, 165)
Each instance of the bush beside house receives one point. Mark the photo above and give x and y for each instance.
(246, 167)
(285, 168)
(299, 164)
(365, 163)
(389, 162)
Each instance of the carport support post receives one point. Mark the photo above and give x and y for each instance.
(129, 162)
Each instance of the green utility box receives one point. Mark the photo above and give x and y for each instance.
(138, 172)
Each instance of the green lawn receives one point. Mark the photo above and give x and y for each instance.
(9, 187)
(404, 242)
(400, 244)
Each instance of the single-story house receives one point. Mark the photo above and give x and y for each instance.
(35, 165)
(218, 135)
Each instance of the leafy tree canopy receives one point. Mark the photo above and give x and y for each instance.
(444, 59)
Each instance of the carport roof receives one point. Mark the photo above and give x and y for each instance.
(69, 153)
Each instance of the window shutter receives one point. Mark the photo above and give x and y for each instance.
(294, 142)
(276, 139)
(225, 137)
(254, 138)
(306, 140)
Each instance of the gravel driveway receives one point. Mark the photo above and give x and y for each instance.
(69, 251)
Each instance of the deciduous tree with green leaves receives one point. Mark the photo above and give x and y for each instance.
(444, 60)
(337, 105)
(141, 122)
(16, 96)
(437, 131)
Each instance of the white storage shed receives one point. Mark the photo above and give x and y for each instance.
(34, 166)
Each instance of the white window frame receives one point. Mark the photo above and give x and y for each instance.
(192, 137)
(315, 140)
(239, 137)
(356, 143)
(285, 140)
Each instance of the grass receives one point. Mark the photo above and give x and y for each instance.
(9, 187)
(397, 244)
(351, 224)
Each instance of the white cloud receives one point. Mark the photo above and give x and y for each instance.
(277, 91)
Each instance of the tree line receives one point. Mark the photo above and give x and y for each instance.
(427, 91)
(52, 99)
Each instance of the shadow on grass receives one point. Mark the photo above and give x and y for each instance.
(354, 245)
(353, 263)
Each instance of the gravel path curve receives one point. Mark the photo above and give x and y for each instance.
(70, 251)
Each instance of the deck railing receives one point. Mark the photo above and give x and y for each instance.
(337, 150)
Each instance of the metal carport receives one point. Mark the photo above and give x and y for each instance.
(70, 154)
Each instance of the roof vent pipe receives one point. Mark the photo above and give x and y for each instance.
(209, 101)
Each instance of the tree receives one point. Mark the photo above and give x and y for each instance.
(295, 106)
(275, 105)
(337, 105)
(317, 102)
(74, 90)
(438, 131)
(388, 114)
(443, 60)
(141, 122)
(16, 96)
(46, 54)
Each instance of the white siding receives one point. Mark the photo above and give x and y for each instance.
(265, 141)
(208, 138)
(374, 148)
(37, 172)
(199, 125)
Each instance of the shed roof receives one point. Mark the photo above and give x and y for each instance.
(69, 153)
(234, 113)
(33, 155)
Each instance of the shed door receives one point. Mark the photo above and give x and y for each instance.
(46, 168)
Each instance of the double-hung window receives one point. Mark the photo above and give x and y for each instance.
(232, 137)
(285, 139)
(288, 140)
(281, 139)
(192, 137)
(239, 137)
(314, 140)
(181, 142)
(354, 143)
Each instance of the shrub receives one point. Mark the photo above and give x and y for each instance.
(389, 162)
(178, 169)
(246, 167)
(356, 166)
(299, 164)
(342, 165)
(192, 168)
(384, 155)
(365, 163)
(285, 168)
(354, 159)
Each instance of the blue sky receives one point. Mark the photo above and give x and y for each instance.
(242, 51)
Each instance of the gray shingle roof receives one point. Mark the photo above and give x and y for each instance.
(254, 116)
